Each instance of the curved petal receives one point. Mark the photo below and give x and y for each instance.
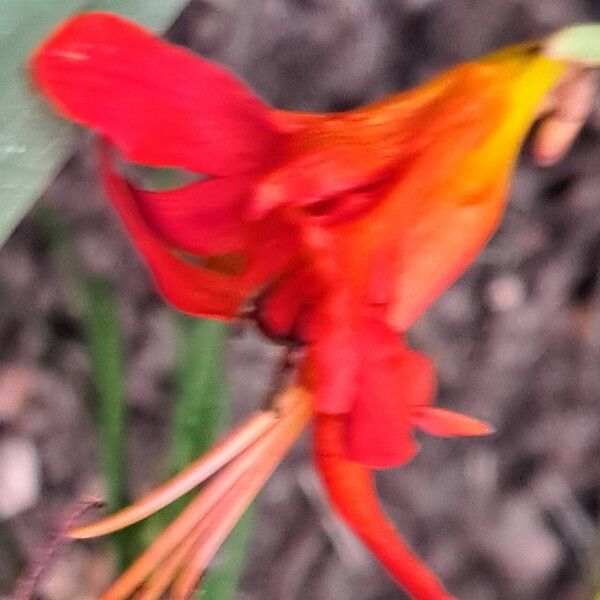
(160, 104)
(351, 490)
(205, 217)
(188, 287)
(289, 121)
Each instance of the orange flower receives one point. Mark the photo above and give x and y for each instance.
(336, 231)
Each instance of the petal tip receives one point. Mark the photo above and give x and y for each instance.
(445, 423)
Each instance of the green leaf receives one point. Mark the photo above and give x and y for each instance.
(34, 143)
(579, 44)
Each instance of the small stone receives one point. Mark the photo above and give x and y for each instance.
(20, 476)
(523, 546)
(505, 293)
(15, 382)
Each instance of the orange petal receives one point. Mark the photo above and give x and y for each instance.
(446, 423)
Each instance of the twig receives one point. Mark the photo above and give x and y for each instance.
(45, 554)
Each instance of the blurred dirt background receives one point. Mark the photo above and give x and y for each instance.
(516, 340)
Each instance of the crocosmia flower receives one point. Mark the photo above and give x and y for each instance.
(334, 232)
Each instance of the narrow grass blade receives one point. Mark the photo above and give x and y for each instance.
(221, 582)
(201, 411)
(201, 407)
(106, 355)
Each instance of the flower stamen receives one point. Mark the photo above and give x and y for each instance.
(200, 470)
(206, 522)
(228, 512)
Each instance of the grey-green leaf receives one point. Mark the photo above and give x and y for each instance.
(34, 143)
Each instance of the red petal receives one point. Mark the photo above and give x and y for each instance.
(160, 104)
(202, 218)
(361, 368)
(379, 428)
(274, 245)
(446, 423)
(327, 187)
(289, 301)
(392, 379)
(380, 431)
(188, 287)
(351, 489)
(334, 357)
(292, 122)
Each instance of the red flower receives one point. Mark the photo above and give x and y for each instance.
(336, 230)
